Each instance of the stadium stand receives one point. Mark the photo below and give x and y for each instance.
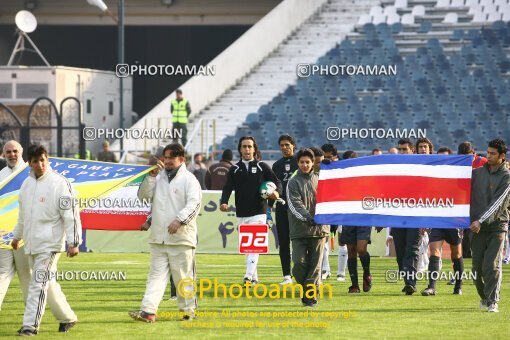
(453, 79)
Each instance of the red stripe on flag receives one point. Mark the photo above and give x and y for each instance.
(110, 221)
(356, 188)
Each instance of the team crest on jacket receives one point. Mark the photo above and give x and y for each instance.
(254, 170)
(287, 167)
(42, 199)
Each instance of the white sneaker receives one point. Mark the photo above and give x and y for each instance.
(287, 280)
(326, 275)
(483, 304)
(173, 298)
(493, 308)
(340, 278)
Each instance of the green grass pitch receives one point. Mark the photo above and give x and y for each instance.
(383, 313)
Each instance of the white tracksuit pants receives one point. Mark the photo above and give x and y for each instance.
(44, 287)
(12, 261)
(165, 261)
(252, 259)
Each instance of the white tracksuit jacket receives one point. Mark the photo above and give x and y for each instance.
(180, 199)
(45, 221)
(6, 172)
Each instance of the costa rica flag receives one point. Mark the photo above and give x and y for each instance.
(400, 191)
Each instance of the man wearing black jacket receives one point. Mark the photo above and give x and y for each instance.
(283, 169)
(490, 199)
(245, 178)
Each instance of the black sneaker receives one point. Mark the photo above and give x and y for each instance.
(367, 283)
(188, 316)
(410, 290)
(26, 332)
(312, 303)
(428, 292)
(65, 327)
(457, 291)
(354, 290)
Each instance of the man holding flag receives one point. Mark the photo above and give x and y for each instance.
(12, 261)
(490, 199)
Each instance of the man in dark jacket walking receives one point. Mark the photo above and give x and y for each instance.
(216, 176)
(308, 238)
(490, 199)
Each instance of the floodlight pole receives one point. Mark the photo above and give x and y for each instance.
(121, 61)
(120, 51)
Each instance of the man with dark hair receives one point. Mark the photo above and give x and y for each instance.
(198, 169)
(466, 148)
(176, 199)
(349, 154)
(330, 152)
(45, 225)
(444, 151)
(245, 178)
(283, 169)
(490, 199)
(424, 146)
(319, 157)
(180, 110)
(216, 176)
(331, 155)
(376, 152)
(407, 240)
(308, 238)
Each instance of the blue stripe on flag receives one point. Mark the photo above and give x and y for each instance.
(457, 160)
(368, 220)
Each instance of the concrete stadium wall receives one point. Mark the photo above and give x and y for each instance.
(236, 61)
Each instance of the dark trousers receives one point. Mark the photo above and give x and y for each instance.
(307, 257)
(407, 246)
(282, 230)
(487, 253)
(184, 129)
(466, 243)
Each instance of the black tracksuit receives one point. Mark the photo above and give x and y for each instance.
(246, 183)
(283, 169)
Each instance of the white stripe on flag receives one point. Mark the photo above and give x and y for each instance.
(356, 207)
(436, 171)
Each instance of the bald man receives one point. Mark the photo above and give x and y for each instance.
(12, 261)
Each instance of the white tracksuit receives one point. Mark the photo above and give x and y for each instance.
(171, 254)
(12, 261)
(45, 226)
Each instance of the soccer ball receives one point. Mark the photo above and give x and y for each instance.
(266, 189)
